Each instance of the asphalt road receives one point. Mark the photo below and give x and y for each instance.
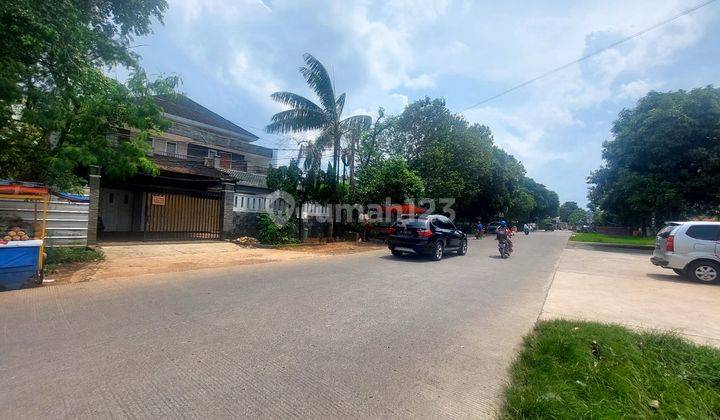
(363, 335)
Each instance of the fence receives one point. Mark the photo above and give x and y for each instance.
(67, 221)
(246, 203)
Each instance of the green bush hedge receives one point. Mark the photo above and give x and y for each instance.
(69, 255)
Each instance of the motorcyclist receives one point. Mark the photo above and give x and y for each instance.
(503, 233)
(479, 230)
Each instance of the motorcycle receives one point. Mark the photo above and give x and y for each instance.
(527, 231)
(504, 249)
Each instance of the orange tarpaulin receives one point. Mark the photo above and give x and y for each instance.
(404, 209)
(22, 190)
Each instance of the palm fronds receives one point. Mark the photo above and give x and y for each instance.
(319, 81)
(295, 101)
(296, 119)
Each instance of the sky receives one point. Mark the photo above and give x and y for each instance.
(231, 55)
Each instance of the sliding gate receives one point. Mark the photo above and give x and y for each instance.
(182, 216)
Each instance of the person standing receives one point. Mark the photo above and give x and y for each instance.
(479, 230)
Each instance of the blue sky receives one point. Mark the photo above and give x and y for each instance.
(232, 55)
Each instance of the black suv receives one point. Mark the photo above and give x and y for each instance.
(431, 235)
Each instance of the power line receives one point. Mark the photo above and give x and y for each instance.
(592, 54)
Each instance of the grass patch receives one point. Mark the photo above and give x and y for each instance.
(609, 239)
(71, 255)
(571, 369)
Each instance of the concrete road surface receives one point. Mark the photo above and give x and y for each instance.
(363, 335)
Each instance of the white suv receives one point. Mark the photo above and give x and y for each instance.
(691, 249)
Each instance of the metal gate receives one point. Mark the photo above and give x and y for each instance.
(182, 216)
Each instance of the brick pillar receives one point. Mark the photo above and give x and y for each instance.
(228, 215)
(94, 208)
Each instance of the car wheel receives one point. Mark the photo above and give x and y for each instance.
(463, 248)
(679, 272)
(396, 253)
(704, 271)
(437, 253)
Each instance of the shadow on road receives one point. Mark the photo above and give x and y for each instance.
(415, 258)
(496, 256)
(674, 278)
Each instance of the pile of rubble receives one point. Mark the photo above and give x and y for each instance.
(246, 241)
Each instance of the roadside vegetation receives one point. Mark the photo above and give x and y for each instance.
(57, 256)
(571, 369)
(272, 234)
(610, 239)
(661, 163)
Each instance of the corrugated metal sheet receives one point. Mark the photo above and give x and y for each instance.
(67, 222)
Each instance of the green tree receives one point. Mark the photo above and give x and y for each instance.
(57, 108)
(663, 161)
(578, 217)
(389, 178)
(305, 115)
(521, 206)
(547, 203)
(566, 209)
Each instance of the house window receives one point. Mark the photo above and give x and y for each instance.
(171, 148)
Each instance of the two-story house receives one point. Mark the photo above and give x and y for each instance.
(201, 158)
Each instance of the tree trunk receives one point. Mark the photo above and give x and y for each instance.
(336, 168)
(352, 164)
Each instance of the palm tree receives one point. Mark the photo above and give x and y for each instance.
(305, 115)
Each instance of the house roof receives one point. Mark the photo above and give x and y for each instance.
(184, 107)
(186, 166)
(247, 178)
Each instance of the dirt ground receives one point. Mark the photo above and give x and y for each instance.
(622, 287)
(140, 259)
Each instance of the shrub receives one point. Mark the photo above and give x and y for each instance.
(272, 234)
(69, 255)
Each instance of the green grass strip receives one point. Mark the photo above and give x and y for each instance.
(571, 370)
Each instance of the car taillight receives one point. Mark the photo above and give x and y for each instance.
(424, 233)
(390, 231)
(670, 244)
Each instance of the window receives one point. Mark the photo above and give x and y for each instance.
(443, 223)
(665, 232)
(171, 148)
(704, 232)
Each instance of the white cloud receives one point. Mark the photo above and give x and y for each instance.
(385, 45)
(234, 10)
(636, 89)
(254, 79)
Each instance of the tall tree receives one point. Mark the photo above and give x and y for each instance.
(566, 209)
(388, 178)
(57, 108)
(663, 161)
(325, 117)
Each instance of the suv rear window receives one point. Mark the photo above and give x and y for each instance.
(704, 232)
(413, 223)
(665, 232)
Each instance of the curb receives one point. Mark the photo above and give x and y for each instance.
(572, 244)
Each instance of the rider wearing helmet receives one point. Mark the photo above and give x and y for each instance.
(503, 233)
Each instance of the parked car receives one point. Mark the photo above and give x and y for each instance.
(690, 249)
(492, 227)
(433, 235)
